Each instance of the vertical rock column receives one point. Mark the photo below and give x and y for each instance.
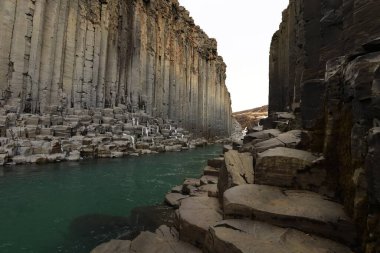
(86, 54)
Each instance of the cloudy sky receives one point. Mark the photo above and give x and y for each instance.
(243, 29)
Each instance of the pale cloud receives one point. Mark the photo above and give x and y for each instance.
(243, 29)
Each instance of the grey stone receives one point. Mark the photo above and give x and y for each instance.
(210, 171)
(238, 170)
(302, 210)
(216, 162)
(281, 166)
(244, 236)
(195, 216)
(113, 246)
(174, 199)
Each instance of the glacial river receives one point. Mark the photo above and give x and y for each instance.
(71, 207)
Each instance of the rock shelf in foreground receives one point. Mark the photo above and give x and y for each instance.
(302, 210)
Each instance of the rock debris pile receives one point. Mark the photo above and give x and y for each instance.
(100, 133)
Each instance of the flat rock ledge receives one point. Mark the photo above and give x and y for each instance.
(165, 240)
(195, 216)
(281, 167)
(302, 210)
(245, 236)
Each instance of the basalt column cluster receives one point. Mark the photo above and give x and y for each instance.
(325, 68)
(85, 54)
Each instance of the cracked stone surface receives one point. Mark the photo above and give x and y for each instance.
(164, 240)
(238, 170)
(303, 210)
(245, 236)
(195, 216)
(281, 166)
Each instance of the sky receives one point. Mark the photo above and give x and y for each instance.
(243, 30)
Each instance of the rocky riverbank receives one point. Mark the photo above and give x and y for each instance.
(277, 192)
(80, 134)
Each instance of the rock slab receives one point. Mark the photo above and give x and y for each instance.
(195, 216)
(244, 236)
(302, 210)
(238, 170)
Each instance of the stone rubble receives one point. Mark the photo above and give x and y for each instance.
(28, 138)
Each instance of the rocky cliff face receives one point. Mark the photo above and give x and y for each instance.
(60, 55)
(324, 66)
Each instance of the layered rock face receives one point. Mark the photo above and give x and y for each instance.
(324, 67)
(311, 33)
(146, 55)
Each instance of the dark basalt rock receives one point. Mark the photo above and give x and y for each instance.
(372, 164)
(325, 63)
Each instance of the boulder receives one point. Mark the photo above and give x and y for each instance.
(195, 216)
(177, 189)
(216, 162)
(113, 246)
(245, 236)
(211, 189)
(174, 199)
(39, 159)
(46, 131)
(165, 240)
(57, 157)
(210, 171)
(302, 210)
(289, 139)
(3, 159)
(19, 159)
(32, 120)
(73, 156)
(62, 131)
(209, 180)
(226, 148)
(238, 170)
(31, 131)
(174, 148)
(261, 136)
(287, 167)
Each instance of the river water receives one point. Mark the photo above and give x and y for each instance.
(44, 208)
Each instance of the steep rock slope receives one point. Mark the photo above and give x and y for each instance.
(84, 54)
(324, 67)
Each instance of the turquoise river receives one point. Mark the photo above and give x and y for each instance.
(58, 207)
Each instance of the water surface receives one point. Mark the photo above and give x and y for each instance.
(40, 203)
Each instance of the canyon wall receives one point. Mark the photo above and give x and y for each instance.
(57, 55)
(324, 67)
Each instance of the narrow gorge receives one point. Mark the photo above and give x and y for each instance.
(116, 78)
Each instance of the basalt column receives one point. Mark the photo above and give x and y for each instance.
(85, 54)
(324, 67)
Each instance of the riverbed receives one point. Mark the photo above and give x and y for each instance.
(68, 207)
